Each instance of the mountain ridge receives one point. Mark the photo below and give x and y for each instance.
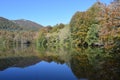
(20, 24)
(28, 24)
(6, 24)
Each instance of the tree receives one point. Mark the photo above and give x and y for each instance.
(81, 22)
(110, 31)
(92, 35)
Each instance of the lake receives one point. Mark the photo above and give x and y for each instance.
(26, 62)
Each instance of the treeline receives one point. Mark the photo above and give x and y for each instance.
(17, 37)
(56, 36)
(98, 26)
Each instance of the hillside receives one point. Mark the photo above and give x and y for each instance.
(28, 25)
(6, 24)
(13, 33)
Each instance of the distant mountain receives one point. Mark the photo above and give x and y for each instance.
(28, 25)
(6, 24)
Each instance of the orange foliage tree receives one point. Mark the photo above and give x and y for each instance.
(110, 21)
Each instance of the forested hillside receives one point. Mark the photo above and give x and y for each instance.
(14, 33)
(98, 26)
(8, 25)
(28, 25)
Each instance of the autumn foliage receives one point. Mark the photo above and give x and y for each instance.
(110, 22)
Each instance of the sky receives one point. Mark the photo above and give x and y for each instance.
(44, 12)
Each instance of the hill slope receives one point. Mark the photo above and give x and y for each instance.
(28, 25)
(6, 24)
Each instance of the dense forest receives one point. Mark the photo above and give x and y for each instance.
(99, 26)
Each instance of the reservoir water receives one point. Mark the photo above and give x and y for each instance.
(35, 63)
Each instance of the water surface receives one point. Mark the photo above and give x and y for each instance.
(31, 63)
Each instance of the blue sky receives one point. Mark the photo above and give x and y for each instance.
(45, 12)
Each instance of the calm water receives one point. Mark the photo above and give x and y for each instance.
(31, 63)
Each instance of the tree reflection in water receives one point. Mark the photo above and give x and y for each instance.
(87, 64)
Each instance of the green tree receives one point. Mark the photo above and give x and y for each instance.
(81, 23)
(92, 35)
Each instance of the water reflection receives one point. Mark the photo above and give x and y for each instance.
(39, 71)
(31, 63)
